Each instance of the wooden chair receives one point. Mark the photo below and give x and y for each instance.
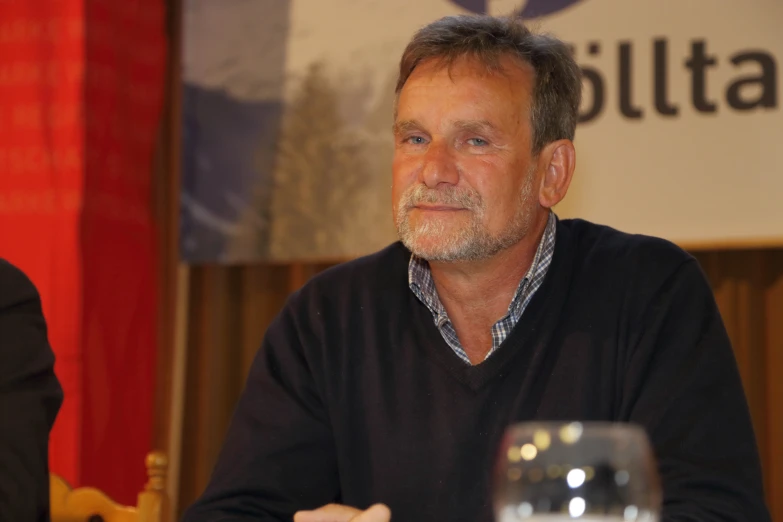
(91, 505)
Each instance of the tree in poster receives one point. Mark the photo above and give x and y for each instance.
(320, 176)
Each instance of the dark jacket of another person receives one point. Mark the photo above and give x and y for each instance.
(30, 397)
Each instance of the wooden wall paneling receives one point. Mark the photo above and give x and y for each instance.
(774, 372)
(178, 398)
(213, 367)
(171, 301)
(746, 272)
(742, 282)
(166, 204)
(193, 464)
(264, 291)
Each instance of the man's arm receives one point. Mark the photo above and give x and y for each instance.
(683, 386)
(278, 456)
(30, 397)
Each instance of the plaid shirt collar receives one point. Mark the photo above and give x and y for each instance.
(423, 286)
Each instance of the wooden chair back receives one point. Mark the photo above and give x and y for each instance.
(87, 504)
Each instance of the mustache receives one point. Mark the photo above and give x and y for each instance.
(451, 196)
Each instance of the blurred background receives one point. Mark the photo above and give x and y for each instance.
(171, 170)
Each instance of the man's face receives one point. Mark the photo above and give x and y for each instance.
(464, 182)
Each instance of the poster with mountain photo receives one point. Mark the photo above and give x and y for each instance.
(287, 114)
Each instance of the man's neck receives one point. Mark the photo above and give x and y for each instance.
(488, 283)
(476, 294)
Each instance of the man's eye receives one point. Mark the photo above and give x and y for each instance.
(415, 140)
(478, 142)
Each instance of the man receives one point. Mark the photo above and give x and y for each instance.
(388, 381)
(30, 397)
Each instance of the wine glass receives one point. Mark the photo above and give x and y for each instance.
(591, 471)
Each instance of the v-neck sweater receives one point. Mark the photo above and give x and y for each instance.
(355, 397)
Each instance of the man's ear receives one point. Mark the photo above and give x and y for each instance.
(557, 160)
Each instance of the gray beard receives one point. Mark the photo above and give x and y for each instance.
(444, 241)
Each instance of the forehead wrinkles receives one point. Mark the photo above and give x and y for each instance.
(514, 69)
(505, 91)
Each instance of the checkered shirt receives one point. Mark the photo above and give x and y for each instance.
(422, 285)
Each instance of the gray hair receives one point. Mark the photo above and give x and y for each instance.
(558, 81)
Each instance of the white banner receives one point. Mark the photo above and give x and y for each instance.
(680, 136)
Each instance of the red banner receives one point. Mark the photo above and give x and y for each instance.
(41, 178)
(124, 79)
(81, 86)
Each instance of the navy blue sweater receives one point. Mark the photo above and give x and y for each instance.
(355, 397)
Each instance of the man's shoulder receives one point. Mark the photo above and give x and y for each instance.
(603, 246)
(629, 271)
(380, 272)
